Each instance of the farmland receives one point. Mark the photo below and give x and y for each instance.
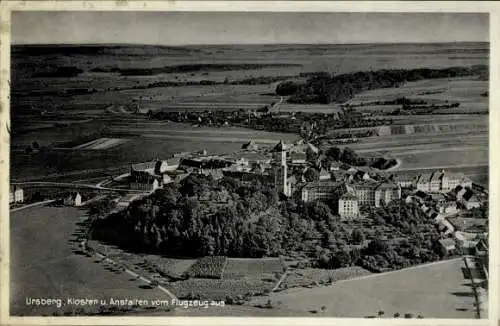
(421, 290)
(54, 267)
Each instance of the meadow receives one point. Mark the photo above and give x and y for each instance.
(54, 270)
(420, 291)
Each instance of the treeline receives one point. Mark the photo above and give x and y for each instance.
(70, 71)
(189, 68)
(325, 88)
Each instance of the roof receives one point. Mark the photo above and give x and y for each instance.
(447, 243)
(324, 172)
(280, 147)
(144, 166)
(424, 177)
(366, 184)
(321, 184)
(298, 156)
(403, 178)
(348, 196)
(388, 185)
(251, 145)
(14, 188)
(468, 195)
(437, 175)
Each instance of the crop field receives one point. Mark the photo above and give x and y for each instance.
(100, 144)
(420, 291)
(315, 276)
(213, 289)
(445, 157)
(208, 267)
(237, 268)
(467, 91)
(54, 270)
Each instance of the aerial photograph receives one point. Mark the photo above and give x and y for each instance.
(249, 164)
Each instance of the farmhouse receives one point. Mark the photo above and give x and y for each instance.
(250, 146)
(447, 246)
(16, 195)
(72, 199)
(324, 175)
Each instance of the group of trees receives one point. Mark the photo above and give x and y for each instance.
(347, 156)
(228, 217)
(325, 88)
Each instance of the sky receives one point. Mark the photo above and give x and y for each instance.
(184, 28)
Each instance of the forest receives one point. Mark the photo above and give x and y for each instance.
(325, 88)
(205, 217)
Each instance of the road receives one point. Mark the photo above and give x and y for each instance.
(72, 185)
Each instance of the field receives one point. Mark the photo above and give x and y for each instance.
(467, 91)
(237, 268)
(145, 140)
(314, 276)
(421, 290)
(54, 270)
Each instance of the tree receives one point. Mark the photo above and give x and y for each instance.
(35, 145)
(311, 175)
(358, 236)
(397, 315)
(380, 313)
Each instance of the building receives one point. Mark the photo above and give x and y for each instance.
(250, 146)
(16, 195)
(387, 192)
(280, 169)
(471, 202)
(324, 175)
(298, 158)
(72, 199)
(348, 206)
(405, 181)
(319, 190)
(424, 182)
(365, 191)
(447, 246)
(442, 181)
(335, 166)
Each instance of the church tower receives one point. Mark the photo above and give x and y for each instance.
(280, 169)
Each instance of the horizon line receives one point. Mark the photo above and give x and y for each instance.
(237, 44)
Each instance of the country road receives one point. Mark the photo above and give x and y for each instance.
(72, 185)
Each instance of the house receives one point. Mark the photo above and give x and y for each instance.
(447, 246)
(447, 208)
(386, 192)
(424, 182)
(442, 181)
(334, 166)
(348, 206)
(404, 181)
(72, 199)
(250, 146)
(472, 202)
(298, 158)
(324, 175)
(361, 175)
(16, 194)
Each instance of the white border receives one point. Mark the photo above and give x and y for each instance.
(257, 6)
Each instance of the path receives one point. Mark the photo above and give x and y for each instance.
(41, 203)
